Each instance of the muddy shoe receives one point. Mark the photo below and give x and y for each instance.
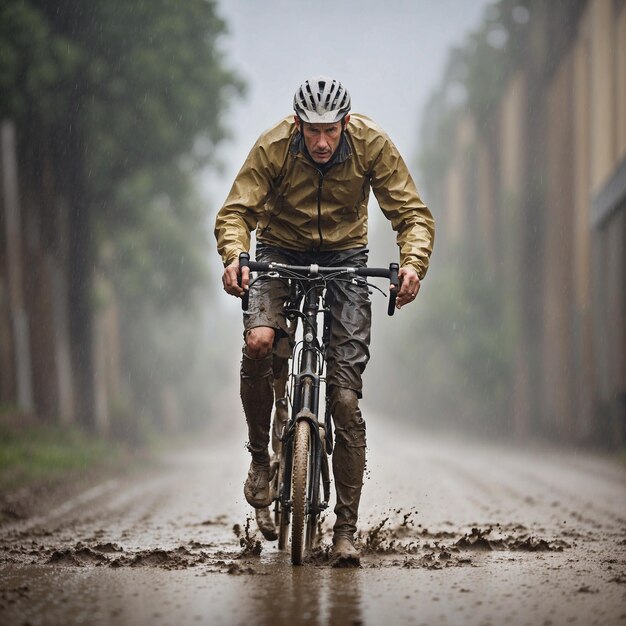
(257, 486)
(344, 554)
(266, 524)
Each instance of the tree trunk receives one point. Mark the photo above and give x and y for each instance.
(80, 273)
(13, 234)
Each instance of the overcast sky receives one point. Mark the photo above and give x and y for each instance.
(390, 55)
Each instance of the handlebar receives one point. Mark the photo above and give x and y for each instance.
(309, 271)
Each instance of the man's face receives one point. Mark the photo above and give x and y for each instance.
(321, 140)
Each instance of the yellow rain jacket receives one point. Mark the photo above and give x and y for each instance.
(292, 203)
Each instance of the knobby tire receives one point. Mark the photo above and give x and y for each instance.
(299, 486)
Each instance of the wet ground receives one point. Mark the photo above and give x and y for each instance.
(452, 532)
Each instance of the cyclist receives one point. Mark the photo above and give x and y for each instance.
(304, 189)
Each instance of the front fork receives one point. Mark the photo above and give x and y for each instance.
(305, 389)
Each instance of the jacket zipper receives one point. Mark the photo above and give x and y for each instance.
(319, 208)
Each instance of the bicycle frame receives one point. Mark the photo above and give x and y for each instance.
(307, 380)
(308, 360)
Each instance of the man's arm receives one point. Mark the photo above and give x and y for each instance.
(239, 215)
(413, 222)
(241, 212)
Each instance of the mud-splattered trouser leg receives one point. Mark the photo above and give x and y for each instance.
(264, 379)
(348, 458)
(280, 368)
(348, 354)
(257, 397)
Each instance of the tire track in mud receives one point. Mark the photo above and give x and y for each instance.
(542, 504)
(584, 491)
(453, 518)
(574, 507)
(504, 481)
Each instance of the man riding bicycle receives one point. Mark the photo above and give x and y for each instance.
(305, 188)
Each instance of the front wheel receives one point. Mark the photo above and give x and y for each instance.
(299, 487)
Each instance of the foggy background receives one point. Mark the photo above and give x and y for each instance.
(122, 438)
(124, 125)
(391, 59)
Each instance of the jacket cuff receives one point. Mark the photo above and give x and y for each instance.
(416, 265)
(229, 257)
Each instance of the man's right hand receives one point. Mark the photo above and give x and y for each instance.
(230, 279)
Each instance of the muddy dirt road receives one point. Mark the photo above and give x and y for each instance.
(452, 533)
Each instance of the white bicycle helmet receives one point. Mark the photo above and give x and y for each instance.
(321, 100)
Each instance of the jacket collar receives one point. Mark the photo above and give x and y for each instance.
(341, 154)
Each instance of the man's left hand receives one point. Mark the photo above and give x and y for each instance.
(409, 286)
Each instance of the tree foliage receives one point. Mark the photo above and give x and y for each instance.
(474, 80)
(125, 99)
(144, 82)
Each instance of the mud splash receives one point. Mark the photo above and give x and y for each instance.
(396, 539)
(56, 548)
(441, 547)
(112, 555)
(404, 543)
(250, 545)
(386, 538)
(320, 555)
(78, 556)
(482, 539)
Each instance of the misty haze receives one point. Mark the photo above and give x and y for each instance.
(494, 403)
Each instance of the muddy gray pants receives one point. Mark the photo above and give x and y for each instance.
(348, 458)
(348, 348)
(346, 359)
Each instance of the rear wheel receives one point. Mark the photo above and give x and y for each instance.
(299, 488)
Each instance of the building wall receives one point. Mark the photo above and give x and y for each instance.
(552, 208)
(558, 337)
(584, 376)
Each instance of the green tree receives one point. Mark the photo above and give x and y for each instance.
(123, 101)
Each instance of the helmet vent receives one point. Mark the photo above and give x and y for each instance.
(321, 100)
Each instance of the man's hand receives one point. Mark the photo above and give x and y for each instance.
(230, 279)
(409, 286)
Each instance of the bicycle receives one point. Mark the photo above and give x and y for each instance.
(303, 474)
